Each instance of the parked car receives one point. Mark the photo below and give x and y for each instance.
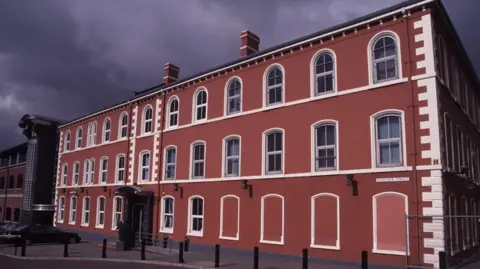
(8, 227)
(40, 233)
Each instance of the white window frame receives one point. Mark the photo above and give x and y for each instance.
(79, 138)
(61, 209)
(460, 144)
(195, 106)
(262, 220)
(222, 200)
(313, 141)
(100, 212)
(265, 153)
(170, 113)
(118, 169)
(72, 216)
(92, 134)
(64, 174)
(371, 73)
(192, 161)
(226, 108)
(225, 157)
(190, 230)
(313, 217)
(107, 127)
(122, 126)
(76, 174)
(373, 139)
(142, 167)
(88, 171)
(114, 211)
(449, 151)
(67, 141)
(314, 75)
(452, 206)
(266, 87)
(164, 229)
(145, 121)
(86, 210)
(166, 164)
(375, 244)
(474, 221)
(103, 172)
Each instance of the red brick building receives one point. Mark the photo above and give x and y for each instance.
(12, 174)
(334, 142)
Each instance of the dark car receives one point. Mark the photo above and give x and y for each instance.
(8, 227)
(39, 233)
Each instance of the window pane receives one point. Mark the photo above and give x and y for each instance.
(384, 153)
(382, 128)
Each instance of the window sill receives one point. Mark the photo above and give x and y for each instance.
(389, 252)
(84, 224)
(166, 231)
(325, 247)
(229, 238)
(60, 221)
(71, 223)
(279, 243)
(195, 234)
(99, 226)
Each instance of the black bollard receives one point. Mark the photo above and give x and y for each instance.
(305, 258)
(104, 248)
(442, 259)
(65, 248)
(24, 246)
(364, 259)
(255, 258)
(165, 241)
(217, 255)
(180, 253)
(186, 243)
(142, 251)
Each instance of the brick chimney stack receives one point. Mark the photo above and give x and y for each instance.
(170, 73)
(250, 43)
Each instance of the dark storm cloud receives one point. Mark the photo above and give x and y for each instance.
(65, 58)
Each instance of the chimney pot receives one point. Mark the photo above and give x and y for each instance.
(250, 43)
(170, 73)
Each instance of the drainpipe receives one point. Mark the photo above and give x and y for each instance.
(160, 162)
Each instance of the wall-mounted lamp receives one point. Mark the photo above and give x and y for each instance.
(353, 183)
(248, 187)
(176, 187)
(82, 189)
(64, 190)
(105, 189)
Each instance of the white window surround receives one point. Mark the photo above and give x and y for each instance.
(79, 138)
(312, 221)
(313, 154)
(64, 174)
(190, 217)
(92, 134)
(107, 129)
(117, 169)
(237, 237)
(145, 120)
(72, 216)
(264, 83)
(122, 126)
(61, 209)
(76, 174)
(370, 52)
(465, 224)
(373, 136)
(374, 203)
(66, 147)
(452, 206)
(101, 171)
(169, 113)
(141, 167)
(313, 74)
(99, 212)
(204, 159)
(225, 95)
(114, 211)
(194, 105)
(164, 177)
(86, 210)
(262, 220)
(264, 151)
(474, 221)
(162, 215)
(224, 154)
(452, 149)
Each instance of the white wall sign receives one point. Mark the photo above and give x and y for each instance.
(393, 179)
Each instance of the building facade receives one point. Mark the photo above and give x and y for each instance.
(360, 137)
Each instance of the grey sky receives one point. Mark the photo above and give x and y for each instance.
(65, 58)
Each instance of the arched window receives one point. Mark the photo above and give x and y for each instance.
(195, 216)
(324, 71)
(449, 154)
(122, 132)
(173, 110)
(274, 91)
(64, 174)
(67, 141)
(2, 183)
(106, 130)
(147, 120)
(88, 171)
(92, 134)
(100, 219)
(272, 219)
(273, 151)
(86, 211)
(103, 170)
(385, 62)
(73, 210)
(201, 100)
(388, 139)
(167, 214)
(11, 182)
(79, 138)
(234, 93)
(198, 159)
(76, 173)
(117, 211)
(61, 209)
(144, 172)
(232, 156)
(170, 162)
(120, 168)
(19, 181)
(16, 215)
(325, 219)
(8, 214)
(325, 145)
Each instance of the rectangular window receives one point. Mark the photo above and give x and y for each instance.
(198, 161)
(325, 147)
(389, 146)
(170, 163)
(168, 207)
(120, 168)
(73, 210)
(101, 212)
(103, 172)
(64, 174)
(145, 167)
(232, 157)
(76, 172)
(61, 209)
(86, 211)
(449, 142)
(117, 211)
(196, 217)
(274, 152)
(460, 159)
